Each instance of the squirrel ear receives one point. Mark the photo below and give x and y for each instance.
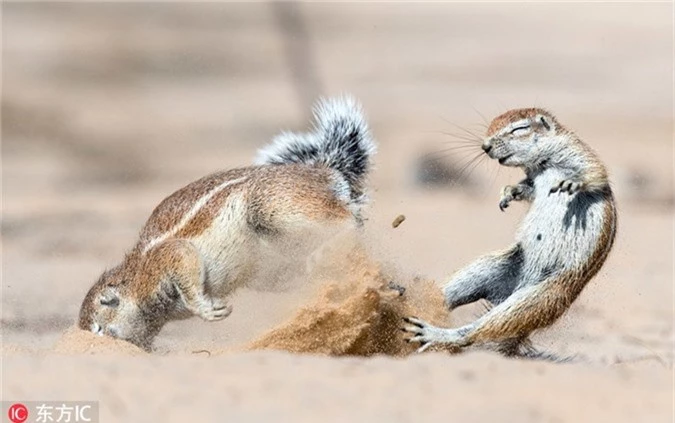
(109, 297)
(544, 122)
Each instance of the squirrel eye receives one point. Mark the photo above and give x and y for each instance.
(109, 300)
(519, 128)
(112, 302)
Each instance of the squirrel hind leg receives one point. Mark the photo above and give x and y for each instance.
(492, 277)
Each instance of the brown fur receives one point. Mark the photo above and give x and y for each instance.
(305, 190)
(268, 188)
(277, 198)
(170, 211)
(212, 236)
(514, 115)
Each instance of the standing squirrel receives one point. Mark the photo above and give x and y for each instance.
(202, 242)
(562, 243)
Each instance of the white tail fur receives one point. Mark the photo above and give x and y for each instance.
(340, 140)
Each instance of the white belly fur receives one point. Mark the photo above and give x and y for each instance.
(560, 231)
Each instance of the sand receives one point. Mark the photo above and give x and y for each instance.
(360, 315)
(77, 341)
(106, 109)
(357, 312)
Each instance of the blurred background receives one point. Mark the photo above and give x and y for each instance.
(108, 108)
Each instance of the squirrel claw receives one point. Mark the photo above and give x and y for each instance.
(427, 335)
(509, 193)
(396, 287)
(217, 310)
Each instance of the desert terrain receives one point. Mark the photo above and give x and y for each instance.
(108, 108)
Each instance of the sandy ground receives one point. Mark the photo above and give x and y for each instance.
(106, 109)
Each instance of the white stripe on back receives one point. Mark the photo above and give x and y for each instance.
(201, 202)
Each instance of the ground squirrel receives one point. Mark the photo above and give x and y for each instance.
(563, 240)
(202, 242)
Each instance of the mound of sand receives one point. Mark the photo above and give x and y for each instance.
(357, 313)
(77, 341)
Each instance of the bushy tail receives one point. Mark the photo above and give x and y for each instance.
(340, 140)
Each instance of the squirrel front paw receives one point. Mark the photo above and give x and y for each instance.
(214, 309)
(567, 185)
(510, 193)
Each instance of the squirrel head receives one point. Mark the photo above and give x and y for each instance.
(110, 309)
(523, 137)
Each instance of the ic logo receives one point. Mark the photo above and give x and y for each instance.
(18, 413)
